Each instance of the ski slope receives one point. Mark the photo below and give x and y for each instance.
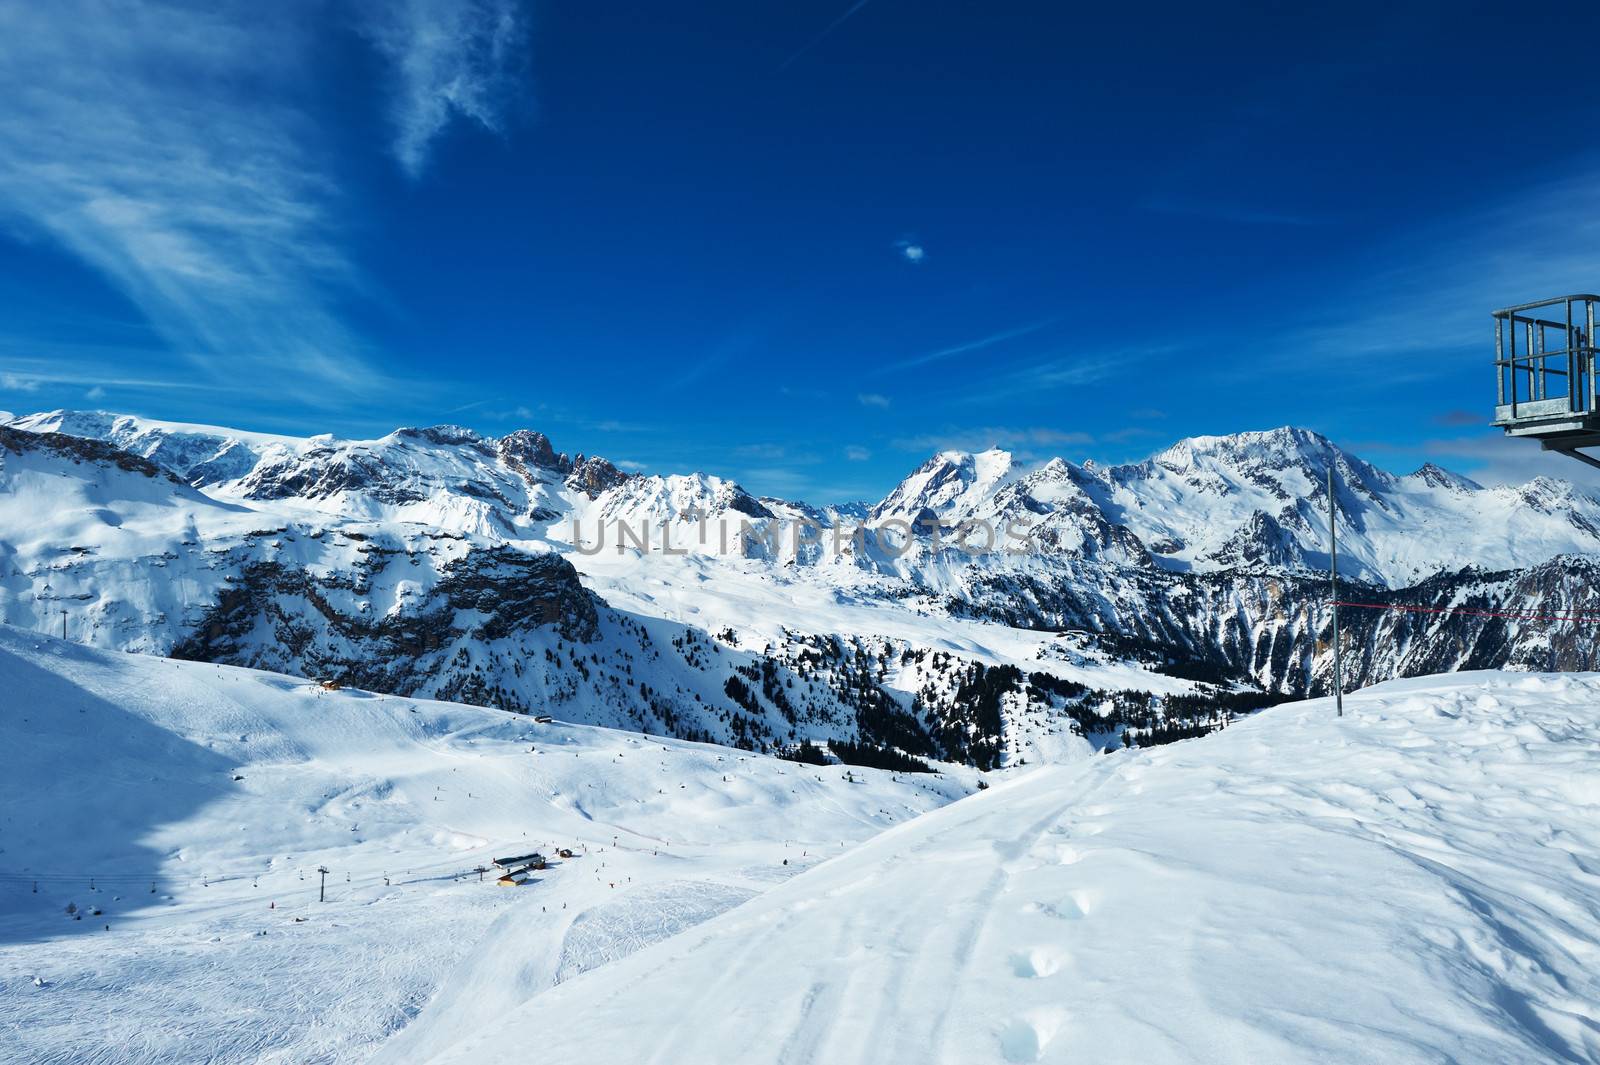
(1418, 881)
(192, 804)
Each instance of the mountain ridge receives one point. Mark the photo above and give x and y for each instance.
(440, 562)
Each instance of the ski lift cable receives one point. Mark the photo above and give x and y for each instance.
(1467, 611)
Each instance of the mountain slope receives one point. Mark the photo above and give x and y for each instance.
(182, 810)
(1414, 882)
(440, 562)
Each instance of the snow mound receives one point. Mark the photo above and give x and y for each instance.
(1418, 881)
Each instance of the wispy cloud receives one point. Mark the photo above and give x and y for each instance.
(1428, 295)
(910, 250)
(873, 399)
(11, 382)
(855, 453)
(763, 452)
(1491, 458)
(156, 144)
(1236, 213)
(819, 38)
(451, 58)
(1053, 374)
(166, 145)
(969, 346)
(1027, 442)
(32, 373)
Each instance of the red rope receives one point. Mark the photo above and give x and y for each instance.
(1473, 613)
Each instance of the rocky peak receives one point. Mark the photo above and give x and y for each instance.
(1438, 477)
(80, 449)
(443, 435)
(593, 476)
(1260, 543)
(526, 447)
(946, 481)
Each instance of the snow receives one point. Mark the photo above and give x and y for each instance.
(201, 799)
(1186, 503)
(1414, 882)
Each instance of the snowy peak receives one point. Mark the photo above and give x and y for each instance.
(658, 501)
(441, 434)
(199, 454)
(1284, 462)
(593, 476)
(526, 448)
(1438, 477)
(448, 475)
(948, 483)
(1206, 503)
(78, 450)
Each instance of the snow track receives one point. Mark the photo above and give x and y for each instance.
(1413, 883)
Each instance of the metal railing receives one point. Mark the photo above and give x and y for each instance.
(1540, 381)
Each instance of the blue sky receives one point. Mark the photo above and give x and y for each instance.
(802, 244)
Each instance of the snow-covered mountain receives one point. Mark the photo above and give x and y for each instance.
(996, 607)
(1411, 882)
(1258, 500)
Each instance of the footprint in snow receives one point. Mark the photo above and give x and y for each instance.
(1037, 962)
(1025, 1038)
(1074, 906)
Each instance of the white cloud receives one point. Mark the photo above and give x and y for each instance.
(1027, 442)
(95, 394)
(11, 382)
(853, 453)
(452, 58)
(873, 399)
(1425, 298)
(155, 143)
(1492, 458)
(167, 146)
(1049, 375)
(910, 250)
(763, 452)
(969, 346)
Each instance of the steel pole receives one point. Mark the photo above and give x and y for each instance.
(1333, 588)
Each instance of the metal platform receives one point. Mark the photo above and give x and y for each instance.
(1549, 394)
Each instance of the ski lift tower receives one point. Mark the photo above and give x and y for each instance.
(1544, 359)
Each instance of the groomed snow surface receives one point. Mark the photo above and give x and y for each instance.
(1418, 881)
(192, 804)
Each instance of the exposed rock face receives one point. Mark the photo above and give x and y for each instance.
(526, 450)
(293, 619)
(430, 562)
(79, 449)
(594, 476)
(1261, 543)
(199, 455)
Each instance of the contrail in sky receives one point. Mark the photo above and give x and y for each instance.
(819, 38)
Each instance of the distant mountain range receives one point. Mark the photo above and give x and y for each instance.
(443, 563)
